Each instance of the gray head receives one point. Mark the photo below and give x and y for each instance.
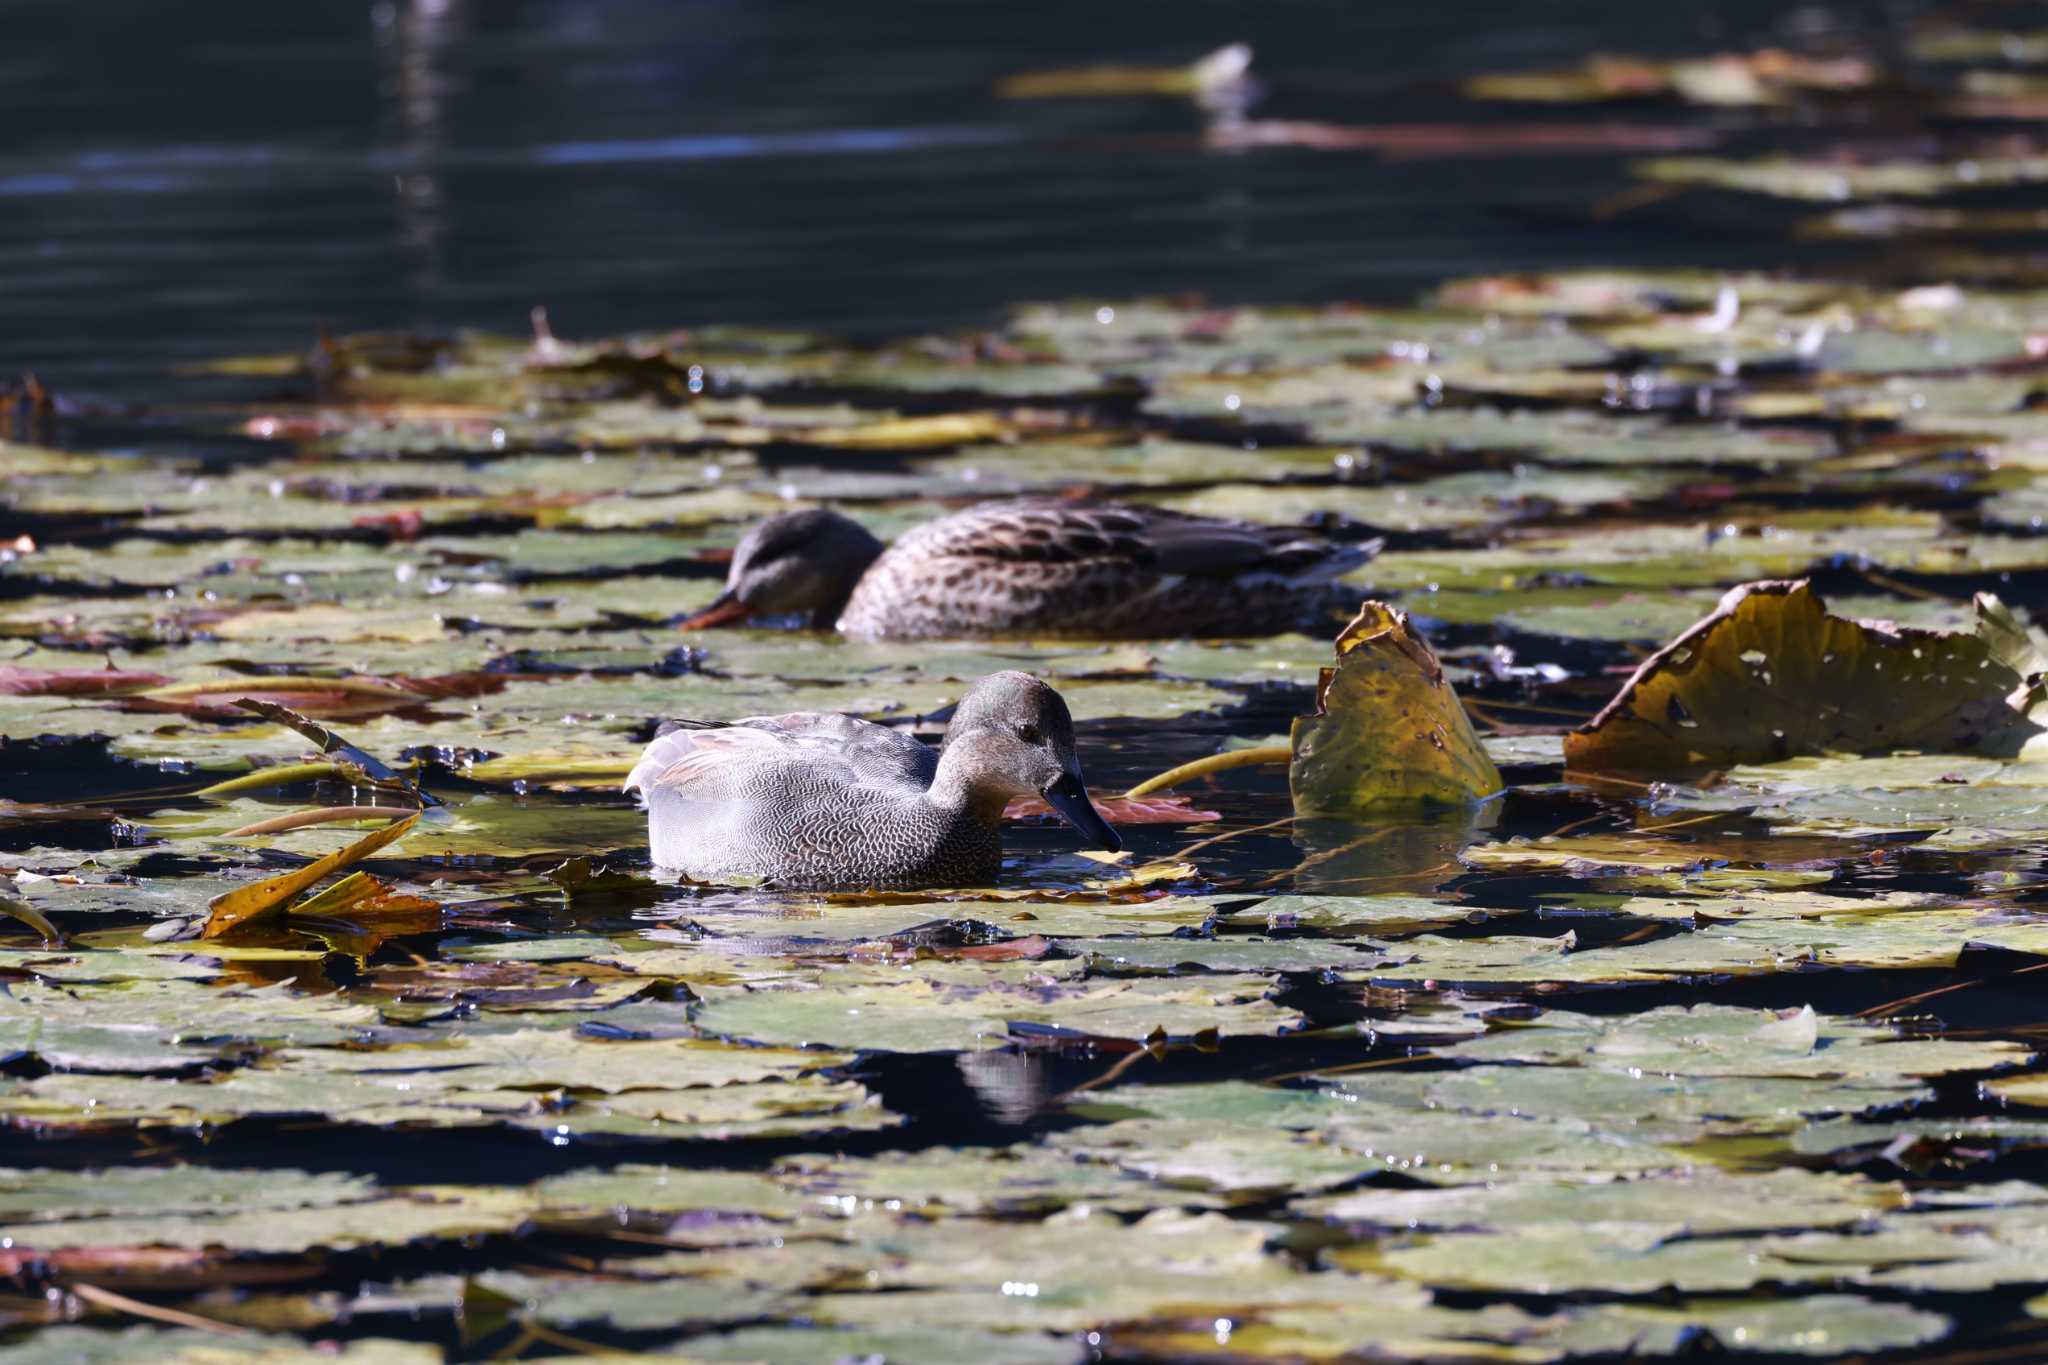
(1012, 736)
(804, 561)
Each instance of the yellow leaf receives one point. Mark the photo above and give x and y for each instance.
(1211, 76)
(555, 768)
(910, 433)
(1388, 729)
(1771, 675)
(234, 909)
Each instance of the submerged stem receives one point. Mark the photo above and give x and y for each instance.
(107, 1298)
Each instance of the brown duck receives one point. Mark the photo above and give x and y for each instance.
(1035, 566)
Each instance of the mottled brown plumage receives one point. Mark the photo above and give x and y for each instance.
(818, 799)
(1037, 566)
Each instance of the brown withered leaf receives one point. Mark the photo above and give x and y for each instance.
(1772, 674)
(17, 681)
(238, 908)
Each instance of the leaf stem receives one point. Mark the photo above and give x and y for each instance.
(279, 776)
(1214, 763)
(325, 815)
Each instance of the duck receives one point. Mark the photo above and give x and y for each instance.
(820, 800)
(1034, 566)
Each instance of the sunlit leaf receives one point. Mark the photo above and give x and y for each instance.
(1388, 729)
(1771, 674)
(239, 907)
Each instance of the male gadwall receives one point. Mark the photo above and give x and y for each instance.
(819, 799)
(1095, 570)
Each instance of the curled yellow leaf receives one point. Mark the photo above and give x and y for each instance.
(1388, 728)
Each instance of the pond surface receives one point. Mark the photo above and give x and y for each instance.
(634, 164)
(355, 1024)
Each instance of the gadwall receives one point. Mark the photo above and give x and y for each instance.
(1094, 570)
(817, 799)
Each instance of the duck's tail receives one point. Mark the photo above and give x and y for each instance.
(670, 744)
(1313, 562)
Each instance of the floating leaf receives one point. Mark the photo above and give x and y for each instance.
(1771, 674)
(235, 909)
(937, 1007)
(1847, 177)
(191, 1346)
(1388, 729)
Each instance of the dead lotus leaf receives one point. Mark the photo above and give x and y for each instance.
(236, 908)
(1771, 675)
(1388, 729)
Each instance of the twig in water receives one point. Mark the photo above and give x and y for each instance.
(1123, 1064)
(1577, 825)
(1879, 1011)
(1890, 584)
(567, 1342)
(1370, 836)
(1214, 839)
(1686, 823)
(1450, 866)
(1630, 199)
(107, 1298)
(1376, 1064)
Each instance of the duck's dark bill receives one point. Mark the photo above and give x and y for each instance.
(723, 611)
(1068, 797)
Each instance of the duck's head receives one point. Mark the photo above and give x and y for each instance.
(1012, 736)
(794, 562)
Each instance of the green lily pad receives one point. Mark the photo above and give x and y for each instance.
(941, 1007)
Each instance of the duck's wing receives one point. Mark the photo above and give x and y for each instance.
(1213, 547)
(1034, 531)
(727, 760)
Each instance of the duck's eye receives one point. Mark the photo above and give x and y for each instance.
(1029, 734)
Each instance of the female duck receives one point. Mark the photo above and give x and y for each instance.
(1101, 571)
(817, 799)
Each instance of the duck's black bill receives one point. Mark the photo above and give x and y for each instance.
(1070, 799)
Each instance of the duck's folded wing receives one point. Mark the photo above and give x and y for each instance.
(708, 762)
(876, 754)
(1210, 547)
(728, 761)
(1029, 531)
(1151, 538)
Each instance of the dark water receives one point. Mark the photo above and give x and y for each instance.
(182, 181)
